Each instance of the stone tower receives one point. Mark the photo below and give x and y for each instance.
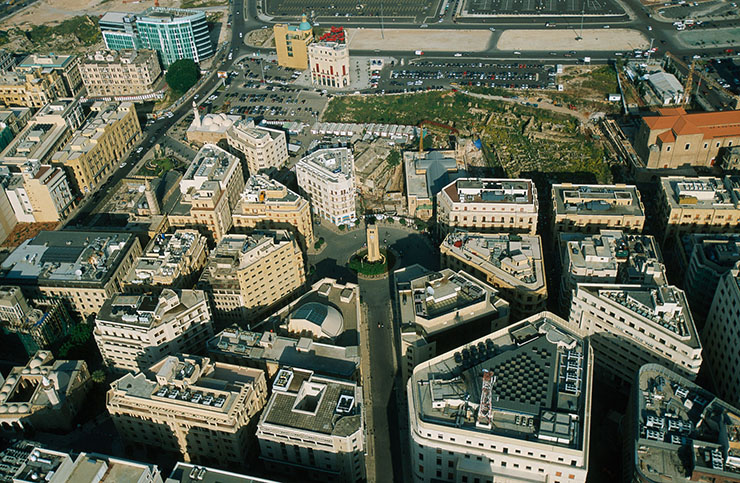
(373, 244)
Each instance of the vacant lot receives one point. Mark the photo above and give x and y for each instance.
(517, 138)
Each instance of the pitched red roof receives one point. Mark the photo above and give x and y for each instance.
(709, 124)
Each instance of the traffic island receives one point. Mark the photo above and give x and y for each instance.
(371, 270)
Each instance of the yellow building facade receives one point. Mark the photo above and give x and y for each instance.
(292, 42)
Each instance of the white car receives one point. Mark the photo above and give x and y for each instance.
(139, 150)
(424, 25)
(458, 54)
(492, 29)
(123, 165)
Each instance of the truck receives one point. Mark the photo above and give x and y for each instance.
(419, 52)
(587, 60)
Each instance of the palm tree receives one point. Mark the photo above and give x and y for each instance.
(98, 376)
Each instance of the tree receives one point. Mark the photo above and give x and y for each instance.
(394, 158)
(182, 75)
(98, 376)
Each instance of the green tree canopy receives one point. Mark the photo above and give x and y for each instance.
(182, 75)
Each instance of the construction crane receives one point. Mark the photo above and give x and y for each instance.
(711, 83)
(432, 123)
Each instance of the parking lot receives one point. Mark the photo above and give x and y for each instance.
(435, 74)
(417, 9)
(727, 73)
(543, 7)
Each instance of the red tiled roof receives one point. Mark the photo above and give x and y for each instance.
(710, 124)
(667, 137)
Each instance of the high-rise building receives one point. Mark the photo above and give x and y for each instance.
(721, 339)
(41, 323)
(610, 256)
(262, 147)
(67, 66)
(327, 179)
(679, 432)
(246, 274)
(266, 203)
(511, 263)
(171, 260)
(675, 138)
(590, 208)
(438, 311)
(329, 64)
(314, 425)
(96, 149)
(632, 325)
(190, 405)
(174, 33)
(135, 331)
(82, 267)
(120, 73)
(488, 205)
(699, 205)
(44, 394)
(291, 43)
(703, 260)
(41, 464)
(513, 405)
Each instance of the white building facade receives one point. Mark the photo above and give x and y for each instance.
(329, 64)
(327, 179)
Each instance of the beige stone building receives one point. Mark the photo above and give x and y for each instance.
(209, 128)
(314, 425)
(291, 43)
(120, 72)
(97, 148)
(201, 409)
(513, 405)
(82, 267)
(488, 205)
(329, 64)
(439, 311)
(266, 203)
(699, 205)
(632, 325)
(39, 193)
(511, 263)
(209, 190)
(44, 395)
(590, 208)
(66, 66)
(426, 174)
(42, 464)
(675, 138)
(610, 256)
(327, 179)
(247, 274)
(8, 220)
(30, 89)
(262, 147)
(135, 331)
(171, 260)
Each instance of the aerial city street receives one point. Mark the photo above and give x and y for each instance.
(469, 241)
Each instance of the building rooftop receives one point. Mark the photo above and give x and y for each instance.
(210, 164)
(329, 163)
(215, 123)
(42, 465)
(606, 200)
(148, 311)
(720, 251)
(490, 190)
(188, 473)
(710, 124)
(67, 257)
(529, 381)
(48, 61)
(27, 389)
(237, 252)
(123, 56)
(305, 401)
(427, 175)
(613, 255)
(286, 351)
(166, 257)
(260, 188)
(191, 382)
(247, 128)
(664, 307)
(702, 193)
(683, 432)
(516, 259)
(428, 299)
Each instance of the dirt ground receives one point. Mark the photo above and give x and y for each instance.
(54, 11)
(561, 40)
(419, 39)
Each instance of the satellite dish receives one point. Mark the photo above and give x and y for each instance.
(430, 290)
(142, 188)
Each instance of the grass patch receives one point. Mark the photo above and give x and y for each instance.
(359, 265)
(158, 167)
(83, 27)
(602, 80)
(202, 3)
